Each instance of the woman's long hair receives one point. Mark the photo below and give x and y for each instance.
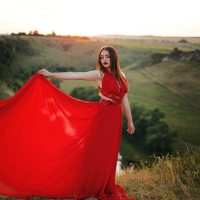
(114, 64)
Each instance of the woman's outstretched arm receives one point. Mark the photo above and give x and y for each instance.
(88, 76)
(127, 111)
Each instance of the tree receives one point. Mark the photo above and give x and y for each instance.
(141, 123)
(56, 82)
(160, 137)
(183, 41)
(21, 33)
(53, 33)
(36, 33)
(151, 131)
(155, 116)
(141, 130)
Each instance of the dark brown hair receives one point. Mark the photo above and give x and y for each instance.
(114, 64)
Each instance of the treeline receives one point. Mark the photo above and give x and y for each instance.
(53, 34)
(10, 74)
(152, 136)
(176, 55)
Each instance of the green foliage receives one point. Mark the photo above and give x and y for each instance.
(155, 116)
(85, 93)
(6, 58)
(56, 82)
(5, 92)
(12, 75)
(160, 137)
(17, 83)
(151, 131)
(6, 53)
(141, 130)
(175, 55)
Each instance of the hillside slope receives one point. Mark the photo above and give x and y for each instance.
(174, 88)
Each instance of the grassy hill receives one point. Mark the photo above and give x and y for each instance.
(173, 87)
(172, 90)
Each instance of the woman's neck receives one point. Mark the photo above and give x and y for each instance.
(108, 69)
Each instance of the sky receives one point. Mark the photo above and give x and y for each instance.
(102, 17)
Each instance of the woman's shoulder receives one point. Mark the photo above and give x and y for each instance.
(123, 74)
(99, 73)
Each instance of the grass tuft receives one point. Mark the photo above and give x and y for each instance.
(169, 177)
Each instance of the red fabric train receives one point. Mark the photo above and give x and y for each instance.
(56, 146)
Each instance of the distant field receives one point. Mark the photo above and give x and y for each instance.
(154, 42)
(172, 87)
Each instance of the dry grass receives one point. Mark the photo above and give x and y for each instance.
(168, 178)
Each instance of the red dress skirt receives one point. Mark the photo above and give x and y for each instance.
(53, 145)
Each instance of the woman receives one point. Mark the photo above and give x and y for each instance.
(60, 147)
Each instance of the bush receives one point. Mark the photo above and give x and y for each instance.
(85, 93)
(151, 131)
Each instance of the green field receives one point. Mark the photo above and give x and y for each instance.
(173, 87)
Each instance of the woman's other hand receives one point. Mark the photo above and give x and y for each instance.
(131, 128)
(45, 73)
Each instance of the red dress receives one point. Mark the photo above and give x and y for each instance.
(56, 146)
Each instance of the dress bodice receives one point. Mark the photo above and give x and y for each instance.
(112, 88)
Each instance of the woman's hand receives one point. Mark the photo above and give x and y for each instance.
(45, 73)
(131, 128)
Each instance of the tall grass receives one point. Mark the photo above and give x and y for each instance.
(171, 177)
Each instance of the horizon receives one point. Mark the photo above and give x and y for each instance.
(114, 35)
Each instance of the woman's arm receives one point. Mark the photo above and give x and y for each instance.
(127, 111)
(88, 76)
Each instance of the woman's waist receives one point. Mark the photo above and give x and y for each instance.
(107, 100)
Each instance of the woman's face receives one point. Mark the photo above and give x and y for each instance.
(105, 59)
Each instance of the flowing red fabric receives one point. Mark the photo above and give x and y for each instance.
(53, 145)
